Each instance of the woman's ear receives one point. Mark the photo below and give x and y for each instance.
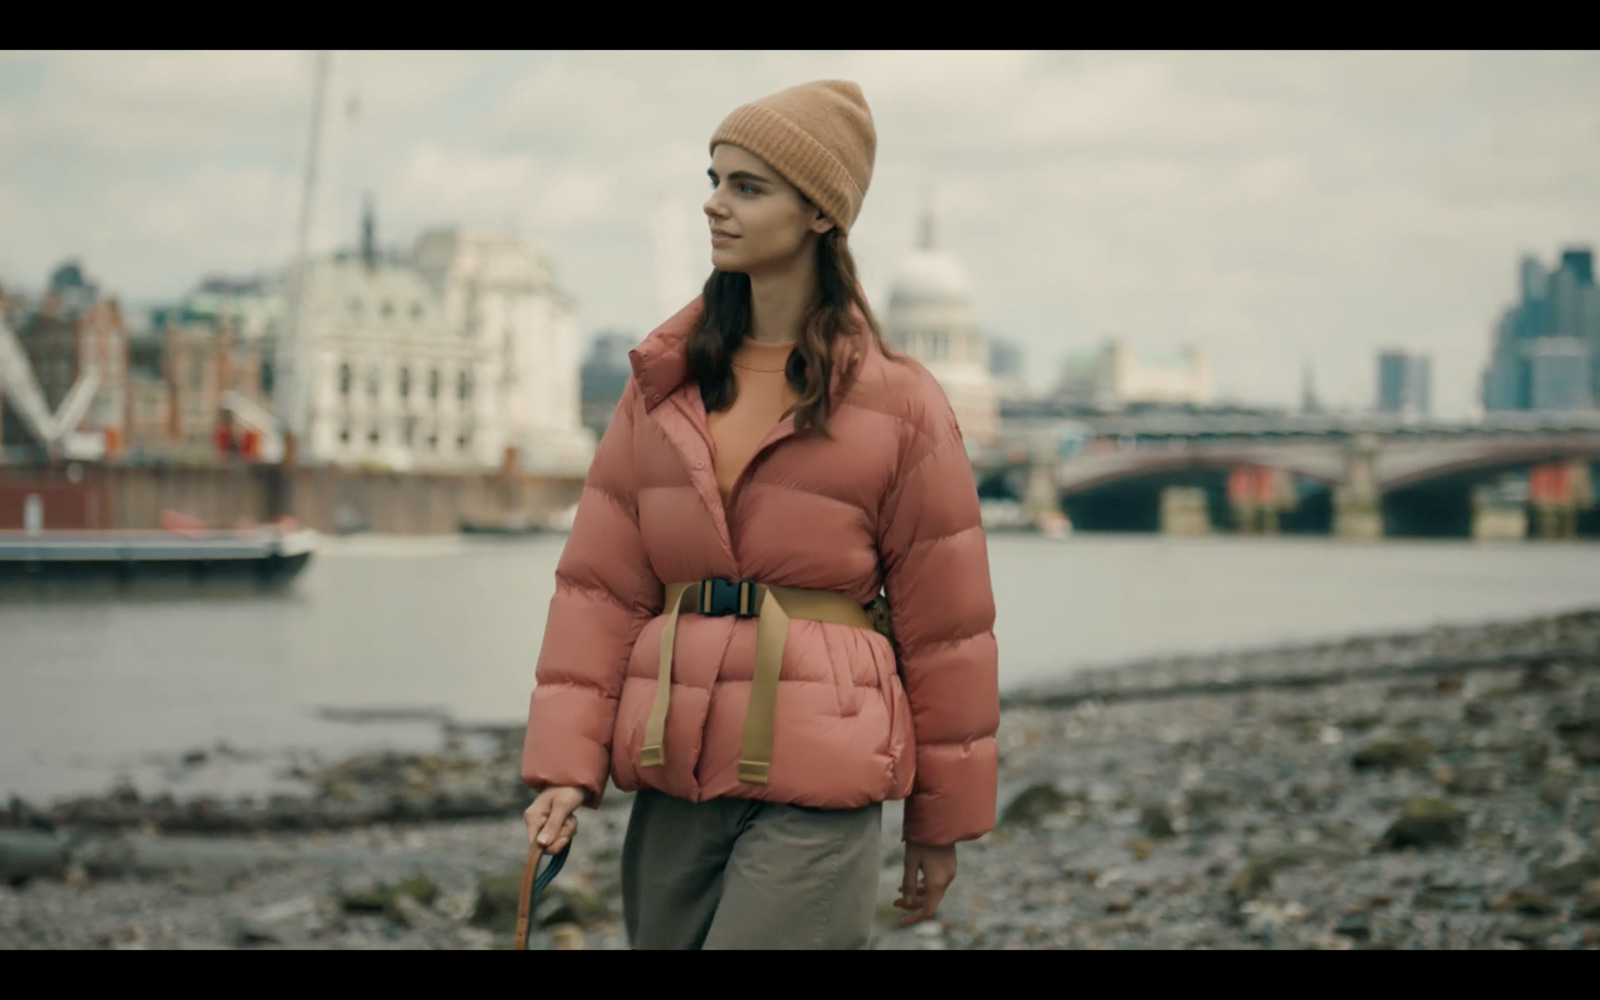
(821, 224)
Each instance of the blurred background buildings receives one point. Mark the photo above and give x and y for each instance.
(1545, 352)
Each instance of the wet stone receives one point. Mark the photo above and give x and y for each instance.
(568, 905)
(1588, 907)
(1156, 820)
(1570, 876)
(381, 898)
(1259, 872)
(1534, 933)
(1478, 778)
(1530, 902)
(1478, 713)
(498, 899)
(1033, 804)
(1425, 823)
(1355, 926)
(1555, 788)
(1387, 755)
(252, 934)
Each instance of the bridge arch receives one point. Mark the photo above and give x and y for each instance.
(1493, 460)
(1158, 466)
(1127, 492)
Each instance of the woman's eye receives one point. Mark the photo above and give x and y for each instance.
(747, 188)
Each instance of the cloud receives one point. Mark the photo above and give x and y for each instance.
(1276, 207)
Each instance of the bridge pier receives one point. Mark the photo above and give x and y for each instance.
(1041, 500)
(1255, 519)
(1556, 491)
(1357, 509)
(1184, 512)
(1258, 496)
(1497, 521)
(1555, 522)
(1356, 518)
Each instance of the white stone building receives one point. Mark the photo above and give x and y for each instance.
(1117, 374)
(443, 361)
(502, 298)
(932, 318)
(390, 383)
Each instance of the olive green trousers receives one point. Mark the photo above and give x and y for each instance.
(742, 874)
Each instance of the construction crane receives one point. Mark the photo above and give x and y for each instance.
(57, 431)
(293, 378)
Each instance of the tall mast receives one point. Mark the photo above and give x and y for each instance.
(292, 393)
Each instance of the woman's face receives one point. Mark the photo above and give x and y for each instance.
(759, 222)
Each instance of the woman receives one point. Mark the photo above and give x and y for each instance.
(769, 468)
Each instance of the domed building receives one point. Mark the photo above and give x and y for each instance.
(931, 317)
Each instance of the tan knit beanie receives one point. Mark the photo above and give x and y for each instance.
(819, 136)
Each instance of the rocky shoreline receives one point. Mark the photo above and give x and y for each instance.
(1439, 789)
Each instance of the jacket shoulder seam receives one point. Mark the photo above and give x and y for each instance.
(567, 581)
(946, 536)
(611, 495)
(949, 640)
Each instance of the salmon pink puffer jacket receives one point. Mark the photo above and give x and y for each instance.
(888, 502)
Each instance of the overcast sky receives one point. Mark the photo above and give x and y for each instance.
(1278, 209)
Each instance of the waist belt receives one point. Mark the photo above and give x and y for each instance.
(772, 607)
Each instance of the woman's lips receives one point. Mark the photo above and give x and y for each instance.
(720, 238)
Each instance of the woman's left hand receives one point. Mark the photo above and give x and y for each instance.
(929, 872)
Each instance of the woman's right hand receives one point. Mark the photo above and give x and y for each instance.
(550, 819)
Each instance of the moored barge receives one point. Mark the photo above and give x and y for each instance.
(265, 555)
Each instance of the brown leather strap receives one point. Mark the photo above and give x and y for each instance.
(525, 899)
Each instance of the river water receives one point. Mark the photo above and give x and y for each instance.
(95, 688)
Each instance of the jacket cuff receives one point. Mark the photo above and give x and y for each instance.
(955, 797)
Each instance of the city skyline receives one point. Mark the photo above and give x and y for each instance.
(1278, 209)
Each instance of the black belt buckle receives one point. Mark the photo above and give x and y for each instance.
(719, 596)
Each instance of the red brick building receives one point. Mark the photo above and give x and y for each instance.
(72, 328)
(180, 375)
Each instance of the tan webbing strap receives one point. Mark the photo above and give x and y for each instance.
(771, 629)
(820, 606)
(651, 753)
(777, 606)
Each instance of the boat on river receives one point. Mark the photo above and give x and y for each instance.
(183, 551)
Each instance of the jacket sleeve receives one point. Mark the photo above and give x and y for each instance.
(605, 593)
(936, 574)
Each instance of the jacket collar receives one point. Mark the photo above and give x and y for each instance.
(661, 361)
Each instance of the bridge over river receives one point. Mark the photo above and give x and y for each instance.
(1359, 476)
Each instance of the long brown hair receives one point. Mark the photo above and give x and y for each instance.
(726, 320)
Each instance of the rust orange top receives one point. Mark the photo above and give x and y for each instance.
(886, 501)
(764, 395)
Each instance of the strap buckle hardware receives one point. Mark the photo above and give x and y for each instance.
(720, 596)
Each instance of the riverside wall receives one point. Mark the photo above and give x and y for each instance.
(88, 495)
